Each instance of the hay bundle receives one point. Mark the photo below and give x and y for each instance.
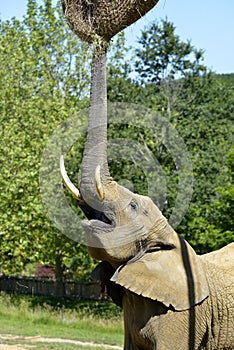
(90, 19)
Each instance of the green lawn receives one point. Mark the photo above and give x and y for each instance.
(98, 322)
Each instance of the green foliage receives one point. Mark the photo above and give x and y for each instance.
(163, 54)
(44, 78)
(224, 205)
(208, 130)
(170, 79)
(227, 79)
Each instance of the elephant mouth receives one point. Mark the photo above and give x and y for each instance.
(95, 218)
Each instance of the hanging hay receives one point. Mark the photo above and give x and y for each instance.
(90, 19)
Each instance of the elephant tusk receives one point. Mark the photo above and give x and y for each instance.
(72, 188)
(98, 183)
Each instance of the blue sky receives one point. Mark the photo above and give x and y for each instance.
(208, 24)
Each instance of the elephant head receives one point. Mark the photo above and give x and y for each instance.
(126, 229)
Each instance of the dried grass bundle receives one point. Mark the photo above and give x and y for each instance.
(92, 19)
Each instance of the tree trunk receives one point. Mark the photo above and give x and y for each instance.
(59, 284)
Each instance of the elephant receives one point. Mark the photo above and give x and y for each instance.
(172, 298)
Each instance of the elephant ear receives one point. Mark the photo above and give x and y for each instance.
(174, 277)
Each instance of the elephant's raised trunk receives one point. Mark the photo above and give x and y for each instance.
(97, 22)
(94, 164)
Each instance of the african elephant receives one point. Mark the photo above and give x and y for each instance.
(172, 298)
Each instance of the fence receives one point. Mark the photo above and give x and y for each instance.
(47, 287)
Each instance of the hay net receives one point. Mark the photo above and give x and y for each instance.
(90, 19)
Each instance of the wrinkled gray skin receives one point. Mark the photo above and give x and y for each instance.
(172, 298)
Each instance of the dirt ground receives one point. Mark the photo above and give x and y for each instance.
(10, 347)
(48, 340)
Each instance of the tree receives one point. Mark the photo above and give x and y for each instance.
(201, 109)
(224, 203)
(44, 78)
(173, 82)
(162, 54)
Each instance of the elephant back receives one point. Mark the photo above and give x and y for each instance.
(220, 275)
(223, 258)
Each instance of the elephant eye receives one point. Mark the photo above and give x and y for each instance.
(133, 205)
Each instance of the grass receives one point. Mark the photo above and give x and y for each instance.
(98, 322)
